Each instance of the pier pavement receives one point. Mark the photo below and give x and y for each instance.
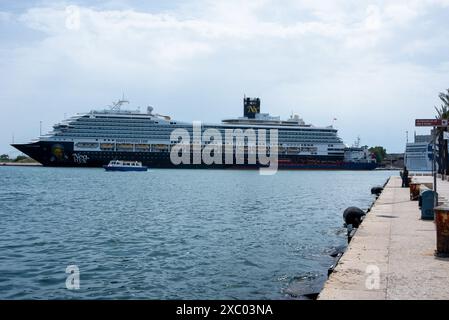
(391, 256)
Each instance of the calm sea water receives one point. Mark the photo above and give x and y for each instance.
(172, 234)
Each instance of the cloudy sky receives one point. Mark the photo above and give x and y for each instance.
(373, 65)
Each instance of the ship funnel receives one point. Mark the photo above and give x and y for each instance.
(251, 107)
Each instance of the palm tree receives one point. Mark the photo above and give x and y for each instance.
(443, 113)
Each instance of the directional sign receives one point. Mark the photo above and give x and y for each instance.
(431, 123)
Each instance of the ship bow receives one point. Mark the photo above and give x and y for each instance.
(32, 150)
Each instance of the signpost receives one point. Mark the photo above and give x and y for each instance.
(433, 123)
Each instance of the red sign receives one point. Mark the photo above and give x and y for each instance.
(430, 123)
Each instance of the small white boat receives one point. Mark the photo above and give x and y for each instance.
(120, 165)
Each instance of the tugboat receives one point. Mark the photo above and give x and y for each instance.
(119, 165)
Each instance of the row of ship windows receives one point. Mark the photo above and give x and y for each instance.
(163, 137)
(155, 129)
(144, 143)
(145, 123)
(104, 154)
(417, 156)
(166, 136)
(173, 124)
(194, 147)
(335, 139)
(143, 155)
(418, 150)
(115, 119)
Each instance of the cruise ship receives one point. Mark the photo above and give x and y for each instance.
(95, 138)
(419, 154)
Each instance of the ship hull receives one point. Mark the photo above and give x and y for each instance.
(62, 154)
(108, 168)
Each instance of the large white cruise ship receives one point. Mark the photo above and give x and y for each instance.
(95, 138)
(419, 154)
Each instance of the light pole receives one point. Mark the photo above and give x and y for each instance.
(40, 128)
(435, 123)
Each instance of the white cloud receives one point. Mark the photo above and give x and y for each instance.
(373, 21)
(5, 16)
(197, 61)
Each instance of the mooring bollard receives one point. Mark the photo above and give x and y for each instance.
(377, 190)
(442, 225)
(414, 190)
(353, 216)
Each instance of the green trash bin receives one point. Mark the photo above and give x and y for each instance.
(427, 204)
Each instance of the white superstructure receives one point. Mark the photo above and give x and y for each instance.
(419, 154)
(116, 129)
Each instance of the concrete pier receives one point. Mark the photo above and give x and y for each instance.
(394, 241)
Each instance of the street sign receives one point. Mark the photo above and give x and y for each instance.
(431, 123)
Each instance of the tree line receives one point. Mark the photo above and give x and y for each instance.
(6, 158)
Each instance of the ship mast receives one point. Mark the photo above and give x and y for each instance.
(117, 105)
(357, 142)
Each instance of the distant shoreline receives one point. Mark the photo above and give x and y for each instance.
(19, 164)
(37, 164)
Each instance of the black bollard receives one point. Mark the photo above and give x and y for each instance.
(353, 216)
(377, 190)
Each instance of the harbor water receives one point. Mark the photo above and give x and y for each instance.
(172, 234)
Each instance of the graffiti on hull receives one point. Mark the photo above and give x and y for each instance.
(80, 158)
